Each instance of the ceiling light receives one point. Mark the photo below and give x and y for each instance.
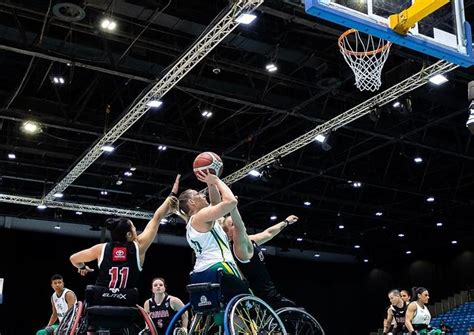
(357, 246)
(299, 239)
(78, 213)
(320, 138)
(128, 173)
(273, 217)
(408, 252)
(356, 184)
(454, 242)
(418, 159)
(430, 199)
(206, 114)
(317, 255)
(57, 227)
(41, 206)
(31, 127)
(341, 226)
(378, 213)
(401, 235)
(366, 260)
(11, 156)
(164, 221)
(439, 224)
(396, 104)
(133, 168)
(246, 18)
(107, 148)
(263, 249)
(307, 203)
(58, 80)
(104, 192)
(162, 147)
(154, 103)
(108, 24)
(254, 173)
(119, 182)
(438, 79)
(58, 195)
(271, 67)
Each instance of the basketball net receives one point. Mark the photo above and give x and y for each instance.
(366, 57)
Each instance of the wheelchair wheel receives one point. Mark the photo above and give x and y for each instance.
(299, 322)
(246, 314)
(70, 323)
(148, 323)
(194, 320)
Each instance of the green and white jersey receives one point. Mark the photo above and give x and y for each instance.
(210, 248)
(60, 303)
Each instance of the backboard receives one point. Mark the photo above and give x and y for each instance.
(444, 34)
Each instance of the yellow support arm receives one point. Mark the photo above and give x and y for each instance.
(420, 9)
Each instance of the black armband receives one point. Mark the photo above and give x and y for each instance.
(286, 222)
(413, 333)
(83, 266)
(172, 194)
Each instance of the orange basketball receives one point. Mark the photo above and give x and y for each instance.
(208, 161)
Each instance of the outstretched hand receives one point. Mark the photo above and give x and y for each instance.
(292, 219)
(173, 200)
(84, 271)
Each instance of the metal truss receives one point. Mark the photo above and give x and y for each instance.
(381, 99)
(71, 206)
(186, 63)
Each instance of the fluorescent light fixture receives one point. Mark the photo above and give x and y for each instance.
(357, 246)
(378, 214)
(107, 148)
(273, 217)
(430, 199)
(401, 235)
(320, 138)
(31, 127)
(454, 242)
(438, 79)
(254, 173)
(341, 226)
(11, 156)
(299, 239)
(58, 195)
(439, 224)
(246, 18)
(307, 203)
(271, 67)
(128, 173)
(133, 168)
(154, 103)
(41, 206)
(366, 260)
(418, 160)
(408, 252)
(78, 213)
(317, 255)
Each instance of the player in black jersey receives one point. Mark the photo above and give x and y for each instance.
(120, 261)
(255, 269)
(162, 307)
(396, 312)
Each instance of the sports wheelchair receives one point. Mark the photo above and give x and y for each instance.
(209, 314)
(106, 311)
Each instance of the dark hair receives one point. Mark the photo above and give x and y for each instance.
(159, 278)
(119, 227)
(56, 277)
(408, 293)
(415, 291)
(183, 201)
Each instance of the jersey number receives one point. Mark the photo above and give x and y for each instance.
(116, 274)
(197, 246)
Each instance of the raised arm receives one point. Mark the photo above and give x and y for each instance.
(214, 195)
(271, 232)
(145, 239)
(208, 214)
(243, 247)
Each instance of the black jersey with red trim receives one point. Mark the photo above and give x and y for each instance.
(399, 315)
(119, 265)
(256, 273)
(161, 314)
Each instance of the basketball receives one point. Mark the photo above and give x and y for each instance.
(208, 161)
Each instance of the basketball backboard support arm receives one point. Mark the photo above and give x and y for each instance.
(458, 52)
(402, 22)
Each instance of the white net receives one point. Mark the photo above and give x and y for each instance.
(366, 57)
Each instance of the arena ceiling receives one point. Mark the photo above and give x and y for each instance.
(253, 112)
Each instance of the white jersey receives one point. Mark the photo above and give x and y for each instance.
(210, 248)
(422, 316)
(60, 303)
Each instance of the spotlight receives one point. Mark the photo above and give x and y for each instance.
(41, 206)
(154, 103)
(11, 156)
(418, 159)
(206, 114)
(128, 173)
(119, 182)
(438, 79)
(430, 199)
(271, 67)
(273, 217)
(58, 80)
(107, 148)
(246, 18)
(254, 173)
(162, 147)
(31, 127)
(108, 24)
(307, 203)
(320, 138)
(58, 195)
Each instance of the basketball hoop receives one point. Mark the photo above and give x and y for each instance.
(366, 57)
